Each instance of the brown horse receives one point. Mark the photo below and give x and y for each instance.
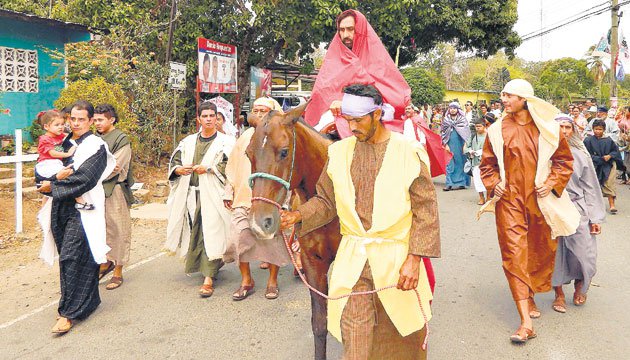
(291, 151)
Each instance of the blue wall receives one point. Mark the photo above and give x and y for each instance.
(31, 36)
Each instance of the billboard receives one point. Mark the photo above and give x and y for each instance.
(260, 83)
(217, 67)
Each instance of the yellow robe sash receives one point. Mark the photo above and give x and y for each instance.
(385, 246)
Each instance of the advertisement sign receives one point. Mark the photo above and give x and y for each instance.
(260, 83)
(177, 76)
(217, 67)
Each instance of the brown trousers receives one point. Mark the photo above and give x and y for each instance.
(369, 334)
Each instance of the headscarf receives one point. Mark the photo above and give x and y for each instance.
(269, 102)
(459, 124)
(490, 117)
(575, 140)
(367, 63)
(541, 111)
(228, 126)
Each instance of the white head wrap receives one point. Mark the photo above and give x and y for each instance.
(542, 112)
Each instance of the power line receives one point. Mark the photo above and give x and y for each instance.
(606, 3)
(595, 13)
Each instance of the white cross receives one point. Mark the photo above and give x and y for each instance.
(264, 141)
(18, 159)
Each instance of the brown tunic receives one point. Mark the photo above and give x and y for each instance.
(367, 331)
(366, 163)
(527, 250)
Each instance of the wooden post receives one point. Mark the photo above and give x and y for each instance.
(18, 181)
(614, 48)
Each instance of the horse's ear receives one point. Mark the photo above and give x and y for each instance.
(293, 115)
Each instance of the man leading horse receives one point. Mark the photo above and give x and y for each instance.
(381, 190)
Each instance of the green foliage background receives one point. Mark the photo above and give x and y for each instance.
(426, 88)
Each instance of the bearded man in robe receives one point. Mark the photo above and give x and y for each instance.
(378, 183)
(526, 165)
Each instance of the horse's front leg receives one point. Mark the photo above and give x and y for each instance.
(316, 270)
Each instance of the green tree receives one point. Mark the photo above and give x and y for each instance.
(426, 88)
(565, 78)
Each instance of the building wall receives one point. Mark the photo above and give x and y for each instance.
(463, 96)
(24, 106)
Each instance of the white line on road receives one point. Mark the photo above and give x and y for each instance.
(44, 307)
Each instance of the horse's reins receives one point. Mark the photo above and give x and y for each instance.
(287, 186)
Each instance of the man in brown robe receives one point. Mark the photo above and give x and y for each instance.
(527, 248)
(118, 195)
(366, 328)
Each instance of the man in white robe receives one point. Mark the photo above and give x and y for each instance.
(198, 223)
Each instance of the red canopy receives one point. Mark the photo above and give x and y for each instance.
(367, 63)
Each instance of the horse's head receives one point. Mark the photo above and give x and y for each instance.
(272, 152)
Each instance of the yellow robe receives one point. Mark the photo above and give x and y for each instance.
(385, 245)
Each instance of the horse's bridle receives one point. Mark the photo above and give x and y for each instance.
(285, 184)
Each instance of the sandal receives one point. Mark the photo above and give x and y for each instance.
(106, 271)
(62, 329)
(522, 334)
(272, 292)
(206, 290)
(534, 313)
(114, 283)
(613, 211)
(559, 305)
(243, 292)
(84, 206)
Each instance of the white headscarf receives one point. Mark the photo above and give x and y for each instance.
(542, 112)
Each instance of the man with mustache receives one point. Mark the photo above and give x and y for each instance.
(378, 184)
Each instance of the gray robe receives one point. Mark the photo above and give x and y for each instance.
(577, 254)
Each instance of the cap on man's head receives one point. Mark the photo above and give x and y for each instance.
(602, 109)
(592, 109)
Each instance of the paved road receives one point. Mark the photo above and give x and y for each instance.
(157, 314)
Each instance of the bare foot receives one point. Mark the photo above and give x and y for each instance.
(534, 313)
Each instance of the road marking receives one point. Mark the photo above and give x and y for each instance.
(44, 307)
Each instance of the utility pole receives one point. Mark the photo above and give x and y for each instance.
(614, 49)
(171, 24)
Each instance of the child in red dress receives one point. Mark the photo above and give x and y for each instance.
(51, 152)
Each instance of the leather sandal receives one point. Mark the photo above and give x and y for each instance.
(106, 271)
(559, 305)
(62, 329)
(534, 313)
(272, 292)
(114, 283)
(522, 334)
(206, 290)
(243, 292)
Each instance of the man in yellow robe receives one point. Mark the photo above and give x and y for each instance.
(377, 184)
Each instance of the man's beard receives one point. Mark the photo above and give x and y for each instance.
(348, 44)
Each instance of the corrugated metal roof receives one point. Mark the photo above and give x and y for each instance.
(40, 20)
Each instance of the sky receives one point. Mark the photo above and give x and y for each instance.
(568, 41)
